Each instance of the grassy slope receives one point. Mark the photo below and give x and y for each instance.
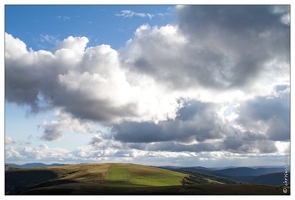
(116, 179)
(75, 175)
(139, 175)
(210, 178)
(83, 176)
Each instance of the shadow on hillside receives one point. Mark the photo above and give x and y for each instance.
(17, 181)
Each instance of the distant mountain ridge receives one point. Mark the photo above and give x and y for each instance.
(271, 179)
(247, 171)
(32, 165)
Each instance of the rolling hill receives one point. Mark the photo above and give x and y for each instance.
(247, 171)
(238, 174)
(106, 175)
(119, 178)
(270, 179)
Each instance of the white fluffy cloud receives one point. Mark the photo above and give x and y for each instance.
(53, 130)
(87, 83)
(9, 140)
(93, 153)
(217, 80)
(41, 152)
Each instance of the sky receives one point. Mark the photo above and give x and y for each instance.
(180, 85)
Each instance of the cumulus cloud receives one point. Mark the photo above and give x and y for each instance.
(90, 153)
(96, 140)
(216, 81)
(229, 144)
(268, 115)
(9, 140)
(195, 121)
(88, 83)
(41, 152)
(217, 47)
(198, 127)
(54, 130)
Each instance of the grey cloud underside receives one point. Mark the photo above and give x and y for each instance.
(94, 110)
(96, 140)
(227, 47)
(195, 121)
(51, 133)
(273, 112)
(235, 146)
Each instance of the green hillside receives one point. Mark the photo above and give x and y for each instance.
(94, 175)
(139, 175)
(119, 178)
(203, 178)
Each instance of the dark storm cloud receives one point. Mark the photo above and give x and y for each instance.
(195, 121)
(272, 112)
(218, 47)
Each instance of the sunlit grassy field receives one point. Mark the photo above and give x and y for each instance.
(139, 175)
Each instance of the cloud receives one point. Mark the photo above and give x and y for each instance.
(216, 47)
(96, 140)
(9, 140)
(269, 115)
(90, 153)
(229, 144)
(64, 18)
(195, 121)
(41, 152)
(74, 75)
(65, 122)
(198, 127)
(130, 14)
(49, 38)
(52, 132)
(216, 81)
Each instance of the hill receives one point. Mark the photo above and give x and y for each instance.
(197, 169)
(107, 175)
(234, 174)
(210, 177)
(32, 165)
(270, 179)
(11, 167)
(118, 178)
(247, 171)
